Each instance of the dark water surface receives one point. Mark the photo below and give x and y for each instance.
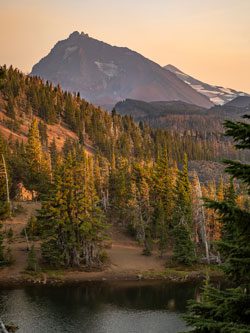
(137, 307)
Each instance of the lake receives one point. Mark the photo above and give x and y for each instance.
(98, 307)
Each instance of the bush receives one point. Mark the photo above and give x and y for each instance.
(52, 254)
(103, 257)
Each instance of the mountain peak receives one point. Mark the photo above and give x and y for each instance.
(106, 74)
(77, 34)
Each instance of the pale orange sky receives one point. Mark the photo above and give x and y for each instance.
(208, 39)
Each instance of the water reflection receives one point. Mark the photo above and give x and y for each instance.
(98, 307)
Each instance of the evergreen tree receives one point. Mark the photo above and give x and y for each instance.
(71, 218)
(184, 252)
(162, 228)
(2, 76)
(119, 191)
(163, 200)
(133, 211)
(37, 163)
(220, 311)
(184, 249)
(140, 206)
(228, 310)
(10, 108)
(34, 153)
(43, 133)
(32, 264)
(53, 155)
(32, 228)
(145, 214)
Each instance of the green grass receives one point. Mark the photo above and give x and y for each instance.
(44, 275)
(182, 273)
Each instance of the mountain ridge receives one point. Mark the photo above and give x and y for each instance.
(182, 116)
(218, 95)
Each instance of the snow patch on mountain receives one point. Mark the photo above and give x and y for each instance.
(217, 100)
(228, 91)
(69, 51)
(110, 69)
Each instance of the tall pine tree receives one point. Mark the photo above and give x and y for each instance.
(163, 200)
(183, 233)
(228, 310)
(37, 162)
(71, 219)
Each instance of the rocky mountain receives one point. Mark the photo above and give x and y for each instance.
(105, 74)
(217, 95)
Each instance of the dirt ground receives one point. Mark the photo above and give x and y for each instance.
(125, 256)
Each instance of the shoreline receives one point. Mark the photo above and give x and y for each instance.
(125, 262)
(67, 278)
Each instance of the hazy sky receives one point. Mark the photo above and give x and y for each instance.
(209, 39)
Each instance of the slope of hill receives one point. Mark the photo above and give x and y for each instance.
(217, 95)
(65, 117)
(18, 129)
(105, 74)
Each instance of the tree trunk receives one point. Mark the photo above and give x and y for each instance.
(4, 172)
(200, 217)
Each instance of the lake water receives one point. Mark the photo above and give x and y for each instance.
(129, 307)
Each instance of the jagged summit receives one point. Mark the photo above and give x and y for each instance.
(106, 74)
(74, 34)
(77, 34)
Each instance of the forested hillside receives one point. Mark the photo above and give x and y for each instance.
(183, 117)
(24, 97)
(106, 170)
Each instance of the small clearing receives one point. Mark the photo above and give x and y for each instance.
(125, 255)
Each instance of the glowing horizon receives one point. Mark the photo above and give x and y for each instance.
(207, 40)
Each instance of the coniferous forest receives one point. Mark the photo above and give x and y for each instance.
(124, 166)
(110, 172)
(113, 172)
